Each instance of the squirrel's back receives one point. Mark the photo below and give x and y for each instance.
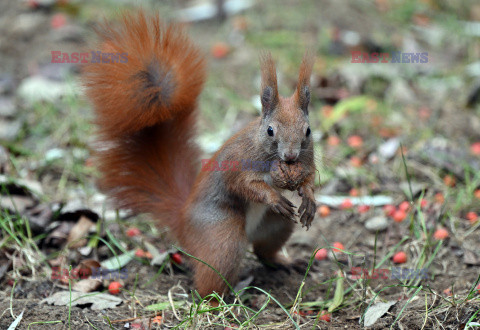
(145, 114)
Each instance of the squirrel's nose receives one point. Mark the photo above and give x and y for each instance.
(290, 156)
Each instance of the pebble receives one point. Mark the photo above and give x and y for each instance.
(379, 223)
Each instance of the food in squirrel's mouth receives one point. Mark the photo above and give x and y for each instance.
(288, 175)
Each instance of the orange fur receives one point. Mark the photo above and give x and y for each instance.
(145, 111)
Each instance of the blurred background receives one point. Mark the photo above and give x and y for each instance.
(45, 121)
(402, 133)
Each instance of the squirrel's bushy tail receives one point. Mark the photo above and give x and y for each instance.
(145, 112)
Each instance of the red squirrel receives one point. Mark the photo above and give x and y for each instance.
(146, 112)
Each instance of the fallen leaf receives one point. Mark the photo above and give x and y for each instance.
(118, 262)
(58, 261)
(87, 285)
(76, 237)
(89, 263)
(158, 257)
(98, 300)
(16, 203)
(21, 186)
(14, 324)
(377, 311)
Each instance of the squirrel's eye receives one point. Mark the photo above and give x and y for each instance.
(308, 131)
(270, 130)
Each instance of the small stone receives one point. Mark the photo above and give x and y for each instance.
(389, 148)
(377, 224)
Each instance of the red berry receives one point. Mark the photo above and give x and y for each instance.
(400, 257)
(355, 161)
(346, 204)
(133, 231)
(389, 210)
(220, 50)
(333, 140)
(478, 288)
(355, 141)
(404, 206)
(440, 234)
(140, 253)
(176, 258)
(338, 246)
(475, 148)
(354, 192)
(325, 316)
(477, 193)
(363, 208)
(449, 180)
(323, 210)
(399, 216)
(157, 319)
(114, 288)
(472, 217)
(423, 203)
(321, 254)
(58, 20)
(439, 198)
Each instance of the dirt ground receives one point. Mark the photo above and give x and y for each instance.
(25, 44)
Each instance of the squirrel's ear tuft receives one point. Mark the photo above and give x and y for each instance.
(269, 90)
(302, 93)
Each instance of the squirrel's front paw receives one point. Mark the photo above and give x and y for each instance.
(307, 209)
(284, 207)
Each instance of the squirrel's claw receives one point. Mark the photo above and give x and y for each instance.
(307, 211)
(285, 208)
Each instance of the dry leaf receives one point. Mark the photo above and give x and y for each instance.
(16, 203)
(376, 311)
(76, 237)
(471, 258)
(87, 285)
(98, 300)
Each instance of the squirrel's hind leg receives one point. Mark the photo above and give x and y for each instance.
(274, 231)
(222, 245)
